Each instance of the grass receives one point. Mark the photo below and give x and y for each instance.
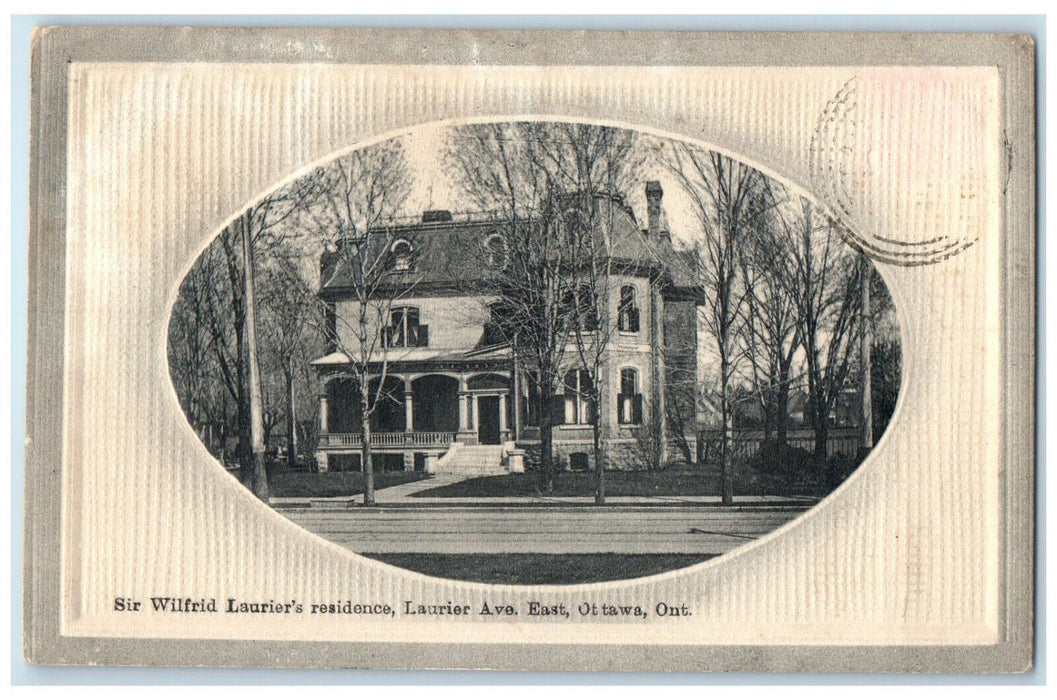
(284, 484)
(533, 569)
(668, 482)
(693, 482)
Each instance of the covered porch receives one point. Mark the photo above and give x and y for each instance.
(417, 414)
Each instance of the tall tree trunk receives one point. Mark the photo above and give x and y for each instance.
(366, 459)
(546, 475)
(545, 484)
(256, 417)
(821, 440)
(726, 480)
(782, 408)
(291, 419)
(243, 452)
(600, 471)
(865, 347)
(825, 480)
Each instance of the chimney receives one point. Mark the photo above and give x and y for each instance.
(656, 225)
(436, 216)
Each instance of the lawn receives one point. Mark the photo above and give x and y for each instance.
(531, 569)
(284, 484)
(667, 482)
(698, 482)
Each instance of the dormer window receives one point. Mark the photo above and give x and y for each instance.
(402, 252)
(404, 329)
(573, 225)
(628, 316)
(495, 251)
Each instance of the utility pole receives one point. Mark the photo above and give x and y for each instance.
(865, 346)
(259, 476)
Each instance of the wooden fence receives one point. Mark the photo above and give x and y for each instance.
(746, 443)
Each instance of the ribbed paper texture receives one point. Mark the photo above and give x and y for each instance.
(160, 156)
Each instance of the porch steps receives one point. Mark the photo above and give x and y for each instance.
(472, 460)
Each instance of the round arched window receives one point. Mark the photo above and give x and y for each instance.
(401, 252)
(495, 251)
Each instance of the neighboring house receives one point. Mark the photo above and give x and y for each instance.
(452, 385)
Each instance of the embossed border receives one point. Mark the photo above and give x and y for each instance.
(55, 49)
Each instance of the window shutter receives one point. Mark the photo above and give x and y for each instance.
(423, 336)
(556, 406)
(633, 320)
(637, 409)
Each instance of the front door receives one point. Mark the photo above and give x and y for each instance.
(488, 420)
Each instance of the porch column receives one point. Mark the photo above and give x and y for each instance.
(322, 413)
(465, 432)
(476, 417)
(463, 424)
(409, 412)
(515, 398)
(502, 413)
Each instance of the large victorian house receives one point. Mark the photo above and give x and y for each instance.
(457, 400)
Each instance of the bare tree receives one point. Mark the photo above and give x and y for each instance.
(826, 276)
(885, 355)
(592, 262)
(190, 346)
(289, 329)
(728, 199)
(541, 180)
(214, 314)
(596, 166)
(495, 168)
(770, 328)
(355, 200)
(260, 226)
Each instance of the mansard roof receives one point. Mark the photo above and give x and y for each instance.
(451, 251)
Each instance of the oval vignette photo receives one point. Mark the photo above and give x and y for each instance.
(536, 352)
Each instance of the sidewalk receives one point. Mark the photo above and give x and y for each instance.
(402, 496)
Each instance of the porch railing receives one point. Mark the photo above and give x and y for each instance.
(412, 439)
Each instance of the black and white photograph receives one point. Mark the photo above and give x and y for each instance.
(538, 352)
(530, 351)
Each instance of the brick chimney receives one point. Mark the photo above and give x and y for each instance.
(656, 223)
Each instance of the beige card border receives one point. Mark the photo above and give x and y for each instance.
(56, 48)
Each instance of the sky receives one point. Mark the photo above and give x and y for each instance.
(433, 188)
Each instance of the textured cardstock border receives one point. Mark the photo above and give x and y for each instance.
(55, 50)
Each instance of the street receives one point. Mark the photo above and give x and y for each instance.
(547, 530)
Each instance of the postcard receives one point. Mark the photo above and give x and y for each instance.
(531, 350)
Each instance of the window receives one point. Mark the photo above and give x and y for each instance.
(495, 251)
(330, 315)
(499, 328)
(628, 316)
(578, 398)
(404, 329)
(573, 224)
(629, 401)
(578, 305)
(401, 256)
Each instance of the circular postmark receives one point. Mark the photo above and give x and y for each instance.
(899, 161)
